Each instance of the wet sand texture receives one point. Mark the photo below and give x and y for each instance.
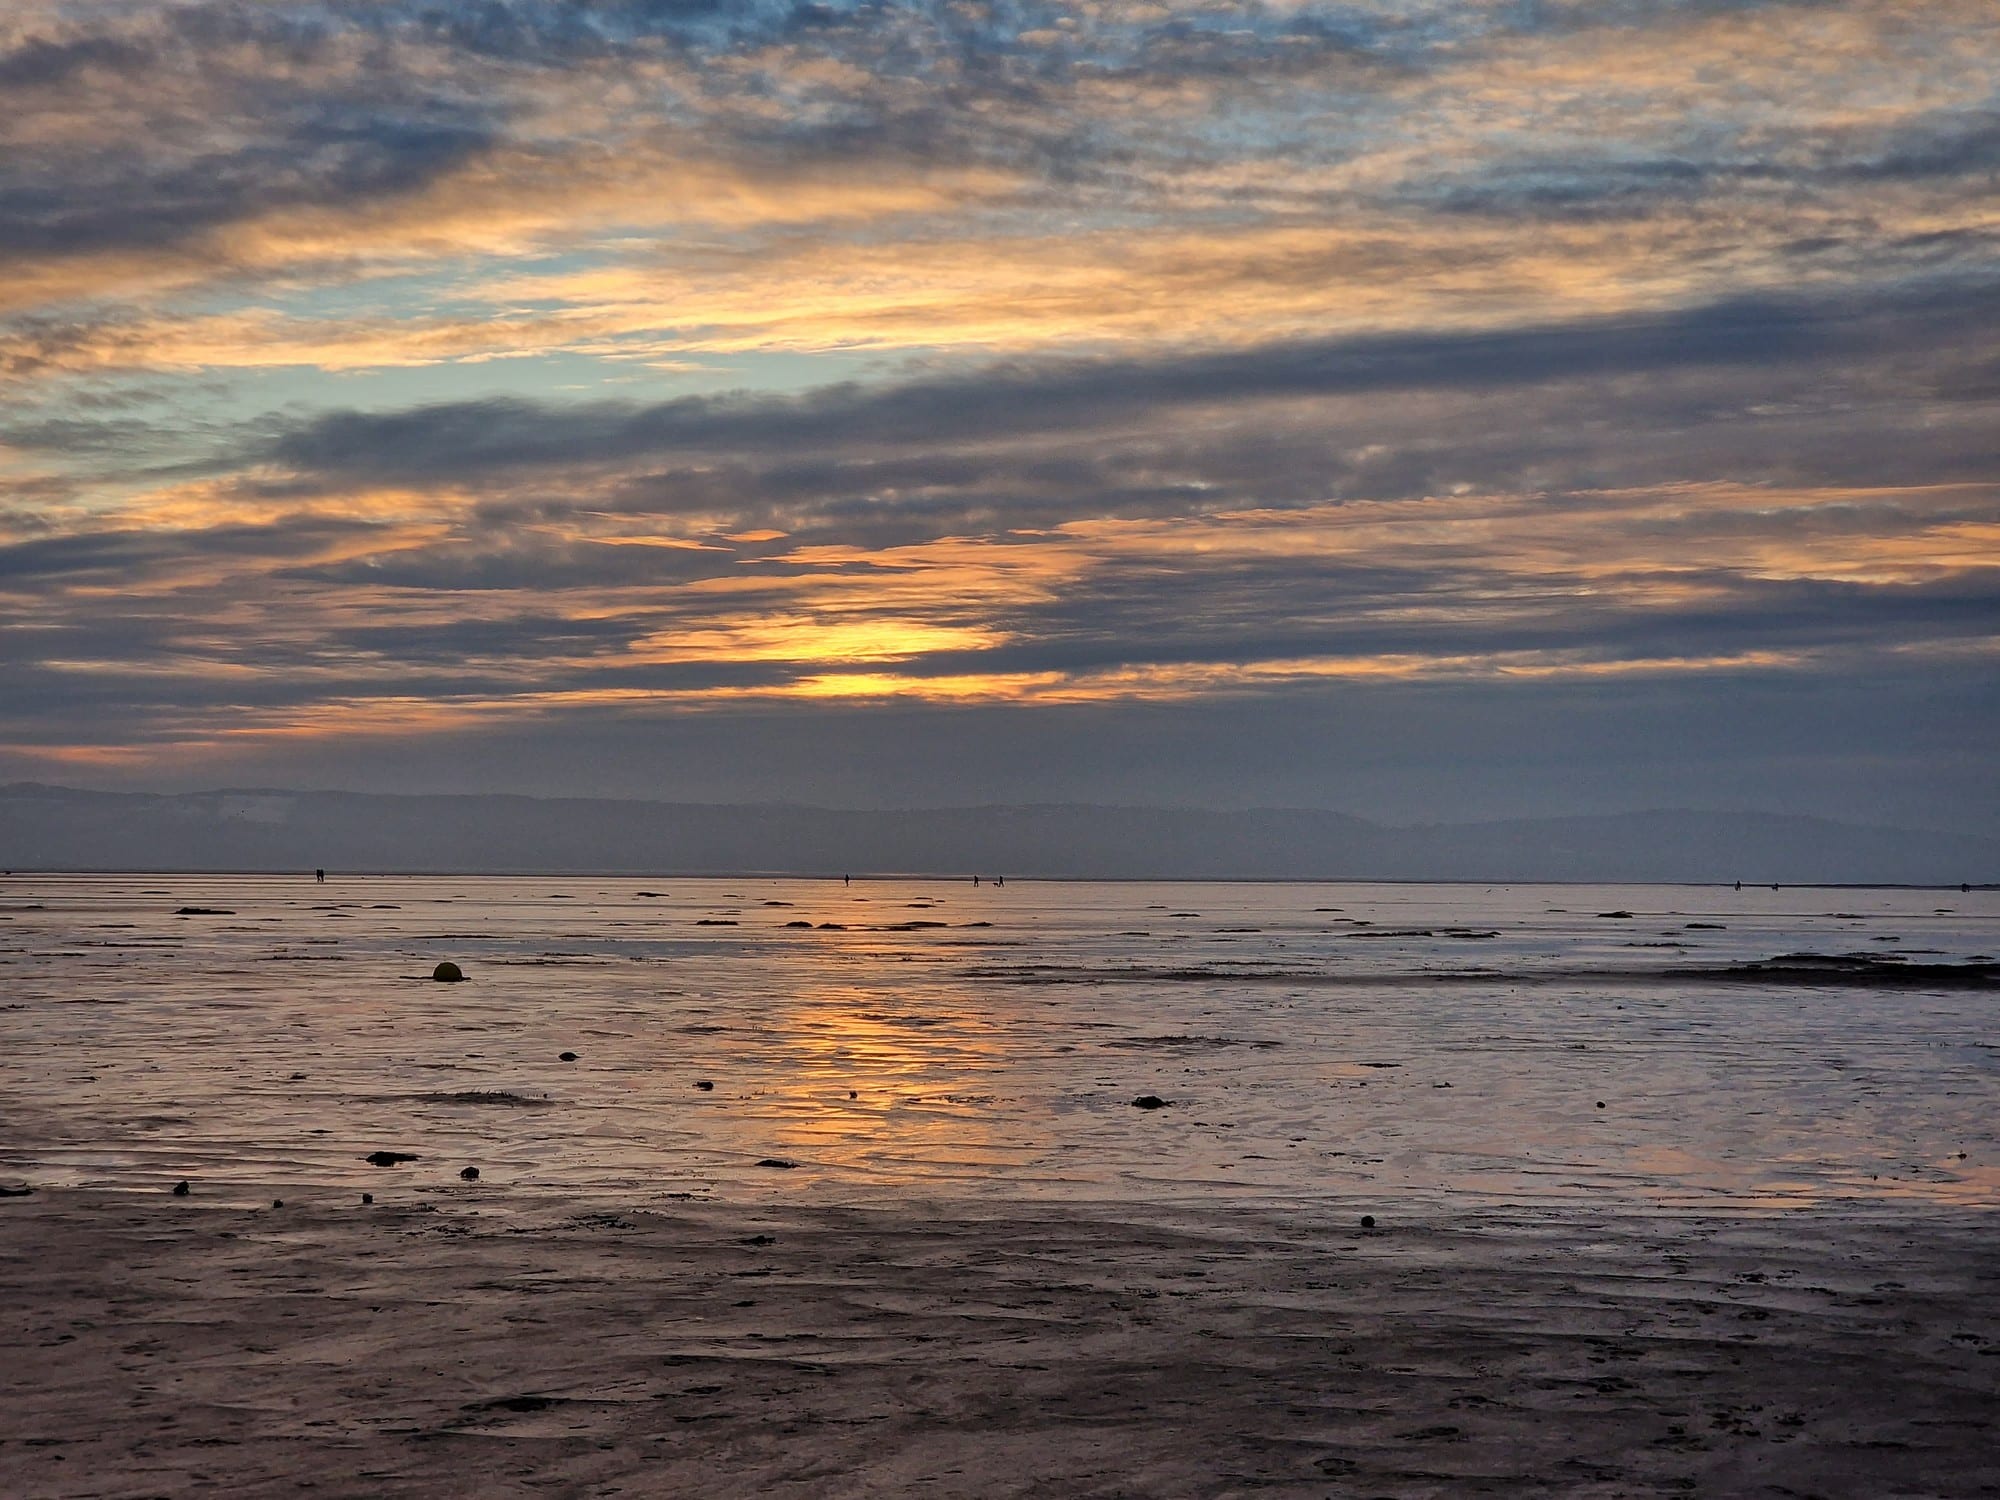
(166, 1347)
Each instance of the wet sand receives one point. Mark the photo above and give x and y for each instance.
(477, 1343)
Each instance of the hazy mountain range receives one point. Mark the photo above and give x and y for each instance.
(47, 827)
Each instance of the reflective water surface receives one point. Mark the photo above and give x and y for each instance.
(933, 1038)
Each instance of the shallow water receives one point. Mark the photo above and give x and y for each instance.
(1365, 1043)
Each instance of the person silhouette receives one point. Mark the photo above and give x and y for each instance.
(319, 877)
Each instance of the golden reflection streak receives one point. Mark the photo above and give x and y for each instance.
(920, 1064)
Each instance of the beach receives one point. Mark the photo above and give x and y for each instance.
(789, 1188)
(463, 1346)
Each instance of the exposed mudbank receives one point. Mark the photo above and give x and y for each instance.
(498, 1098)
(1189, 1043)
(1824, 970)
(1854, 969)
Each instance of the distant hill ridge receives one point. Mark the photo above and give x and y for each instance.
(52, 827)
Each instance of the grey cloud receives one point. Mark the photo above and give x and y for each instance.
(1245, 613)
(138, 555)
(525, 562)
(41, 62)
(330, 160)
(1012, 400)
(1906, 744)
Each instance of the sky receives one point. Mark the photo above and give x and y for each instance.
(1428, 411)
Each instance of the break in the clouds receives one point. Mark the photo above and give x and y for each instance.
(589, 393)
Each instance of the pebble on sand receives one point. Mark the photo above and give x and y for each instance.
(779, 1162)
(367, 1197)
(470, 1174)
(448, 973)
(1600, 1104)
(181, 1188)
(387, 1158)
(1368, 1221)
(277, 1203)
(706, 1085)
(566, 1057)
(1149, 1101)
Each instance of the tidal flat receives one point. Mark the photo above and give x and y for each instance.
(1450, 1190)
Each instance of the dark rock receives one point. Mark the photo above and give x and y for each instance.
(760, 1239)
(1149, 1101)
(800, 923)
(470, 1174)
(715, 922)
(1368, 1221)
(706, 1085)
(1614, 914)
(277, 1203)
(448, 973)
(833, 927)
(852, 1094)
(387, 1158)
(1600, 1104)
(779, 1162)
(181, 1188)
(367, 1197)
(15, 1192)
(204, 911)
(567, 1057)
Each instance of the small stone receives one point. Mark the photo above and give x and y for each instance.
(367, 1197)
(470, 1174)
(852, 1095)
(387, 1158)
(181, 1188)
(1149, 1101)
(448, 973)
(778, 1162)
(1368, 1221)
(277, 1203)
(567, 1057)
(1600, 1104)
(706, 1085)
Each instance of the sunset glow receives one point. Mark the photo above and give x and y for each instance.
(573, 368)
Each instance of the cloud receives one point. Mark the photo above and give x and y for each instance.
(364, 365)
(1013, 399)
